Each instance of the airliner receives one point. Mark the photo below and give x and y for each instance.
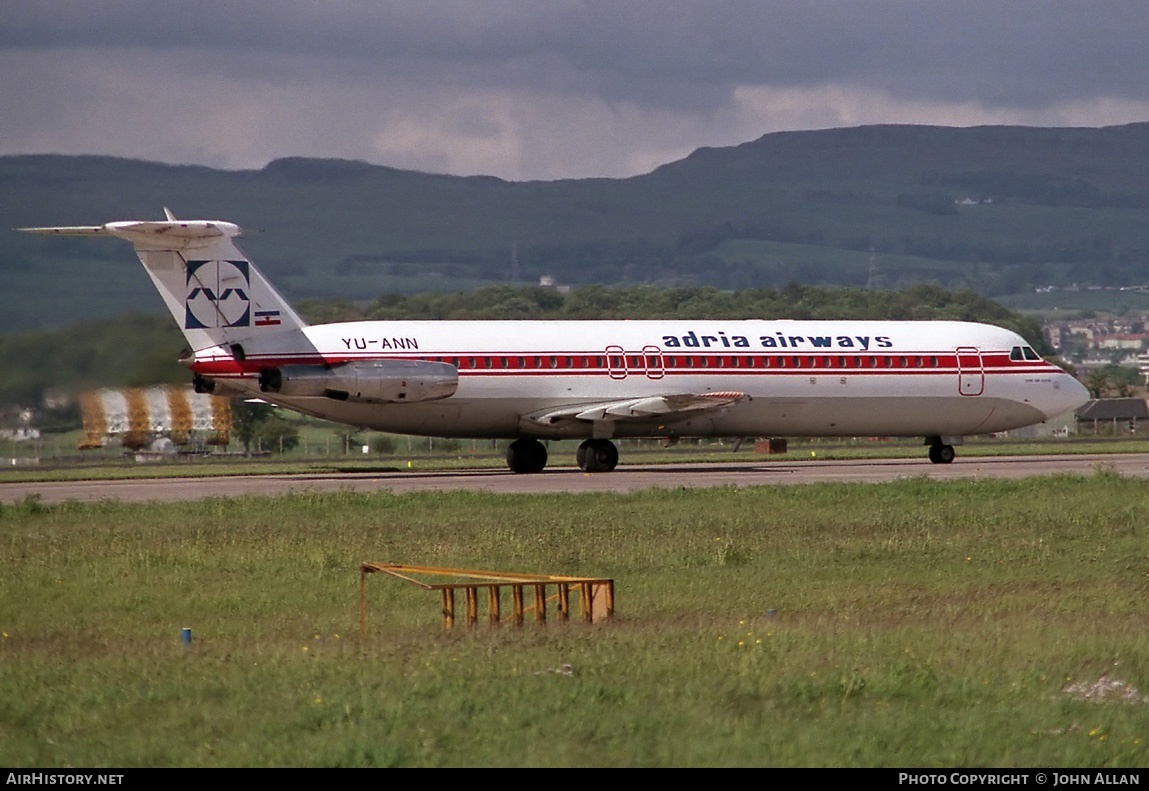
(530, 381)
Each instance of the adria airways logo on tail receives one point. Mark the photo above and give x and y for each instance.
(217, 295)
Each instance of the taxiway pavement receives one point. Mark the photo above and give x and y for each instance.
(559, 479)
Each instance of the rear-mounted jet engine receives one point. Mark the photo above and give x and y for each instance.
(371, 381)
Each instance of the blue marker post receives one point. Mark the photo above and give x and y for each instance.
(186, 635)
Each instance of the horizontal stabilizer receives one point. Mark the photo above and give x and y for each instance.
(217, 295)
(152, 234)
(70, 230)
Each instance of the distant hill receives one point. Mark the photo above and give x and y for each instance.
(1054, 305)
(994, 209)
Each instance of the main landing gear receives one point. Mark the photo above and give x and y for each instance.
(597, 455)
(528, 455)
(940, 453)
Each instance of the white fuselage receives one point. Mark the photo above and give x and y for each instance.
(802, 378)
(531, 380)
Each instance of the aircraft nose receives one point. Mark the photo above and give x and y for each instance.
(1068, 395)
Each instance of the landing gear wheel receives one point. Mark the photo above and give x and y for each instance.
(942, 454)
(526, 456)
(597, 455)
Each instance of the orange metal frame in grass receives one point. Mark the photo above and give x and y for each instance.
(596, 595)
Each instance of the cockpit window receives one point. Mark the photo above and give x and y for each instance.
(1015, 354)
(1030, 354)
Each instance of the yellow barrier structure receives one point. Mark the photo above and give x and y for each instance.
(596, 595)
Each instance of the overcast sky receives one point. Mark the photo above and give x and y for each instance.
(548, 89)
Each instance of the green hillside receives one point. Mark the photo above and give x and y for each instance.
(1052, 305)
(994, 209)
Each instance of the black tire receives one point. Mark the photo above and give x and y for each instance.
(526, 456)
(601, 455)
(582, 453)
(942, 454)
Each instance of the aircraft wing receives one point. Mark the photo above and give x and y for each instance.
(667, 407)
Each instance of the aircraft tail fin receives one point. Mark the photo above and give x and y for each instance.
(218, 297)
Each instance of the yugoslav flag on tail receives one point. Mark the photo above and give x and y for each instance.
(215, 293)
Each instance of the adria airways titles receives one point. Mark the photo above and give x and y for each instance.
(597, 380)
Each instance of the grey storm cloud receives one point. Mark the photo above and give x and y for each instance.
(549, 88)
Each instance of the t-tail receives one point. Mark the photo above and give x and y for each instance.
(218, 297)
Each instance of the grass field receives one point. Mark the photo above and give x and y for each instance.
(908, 624)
